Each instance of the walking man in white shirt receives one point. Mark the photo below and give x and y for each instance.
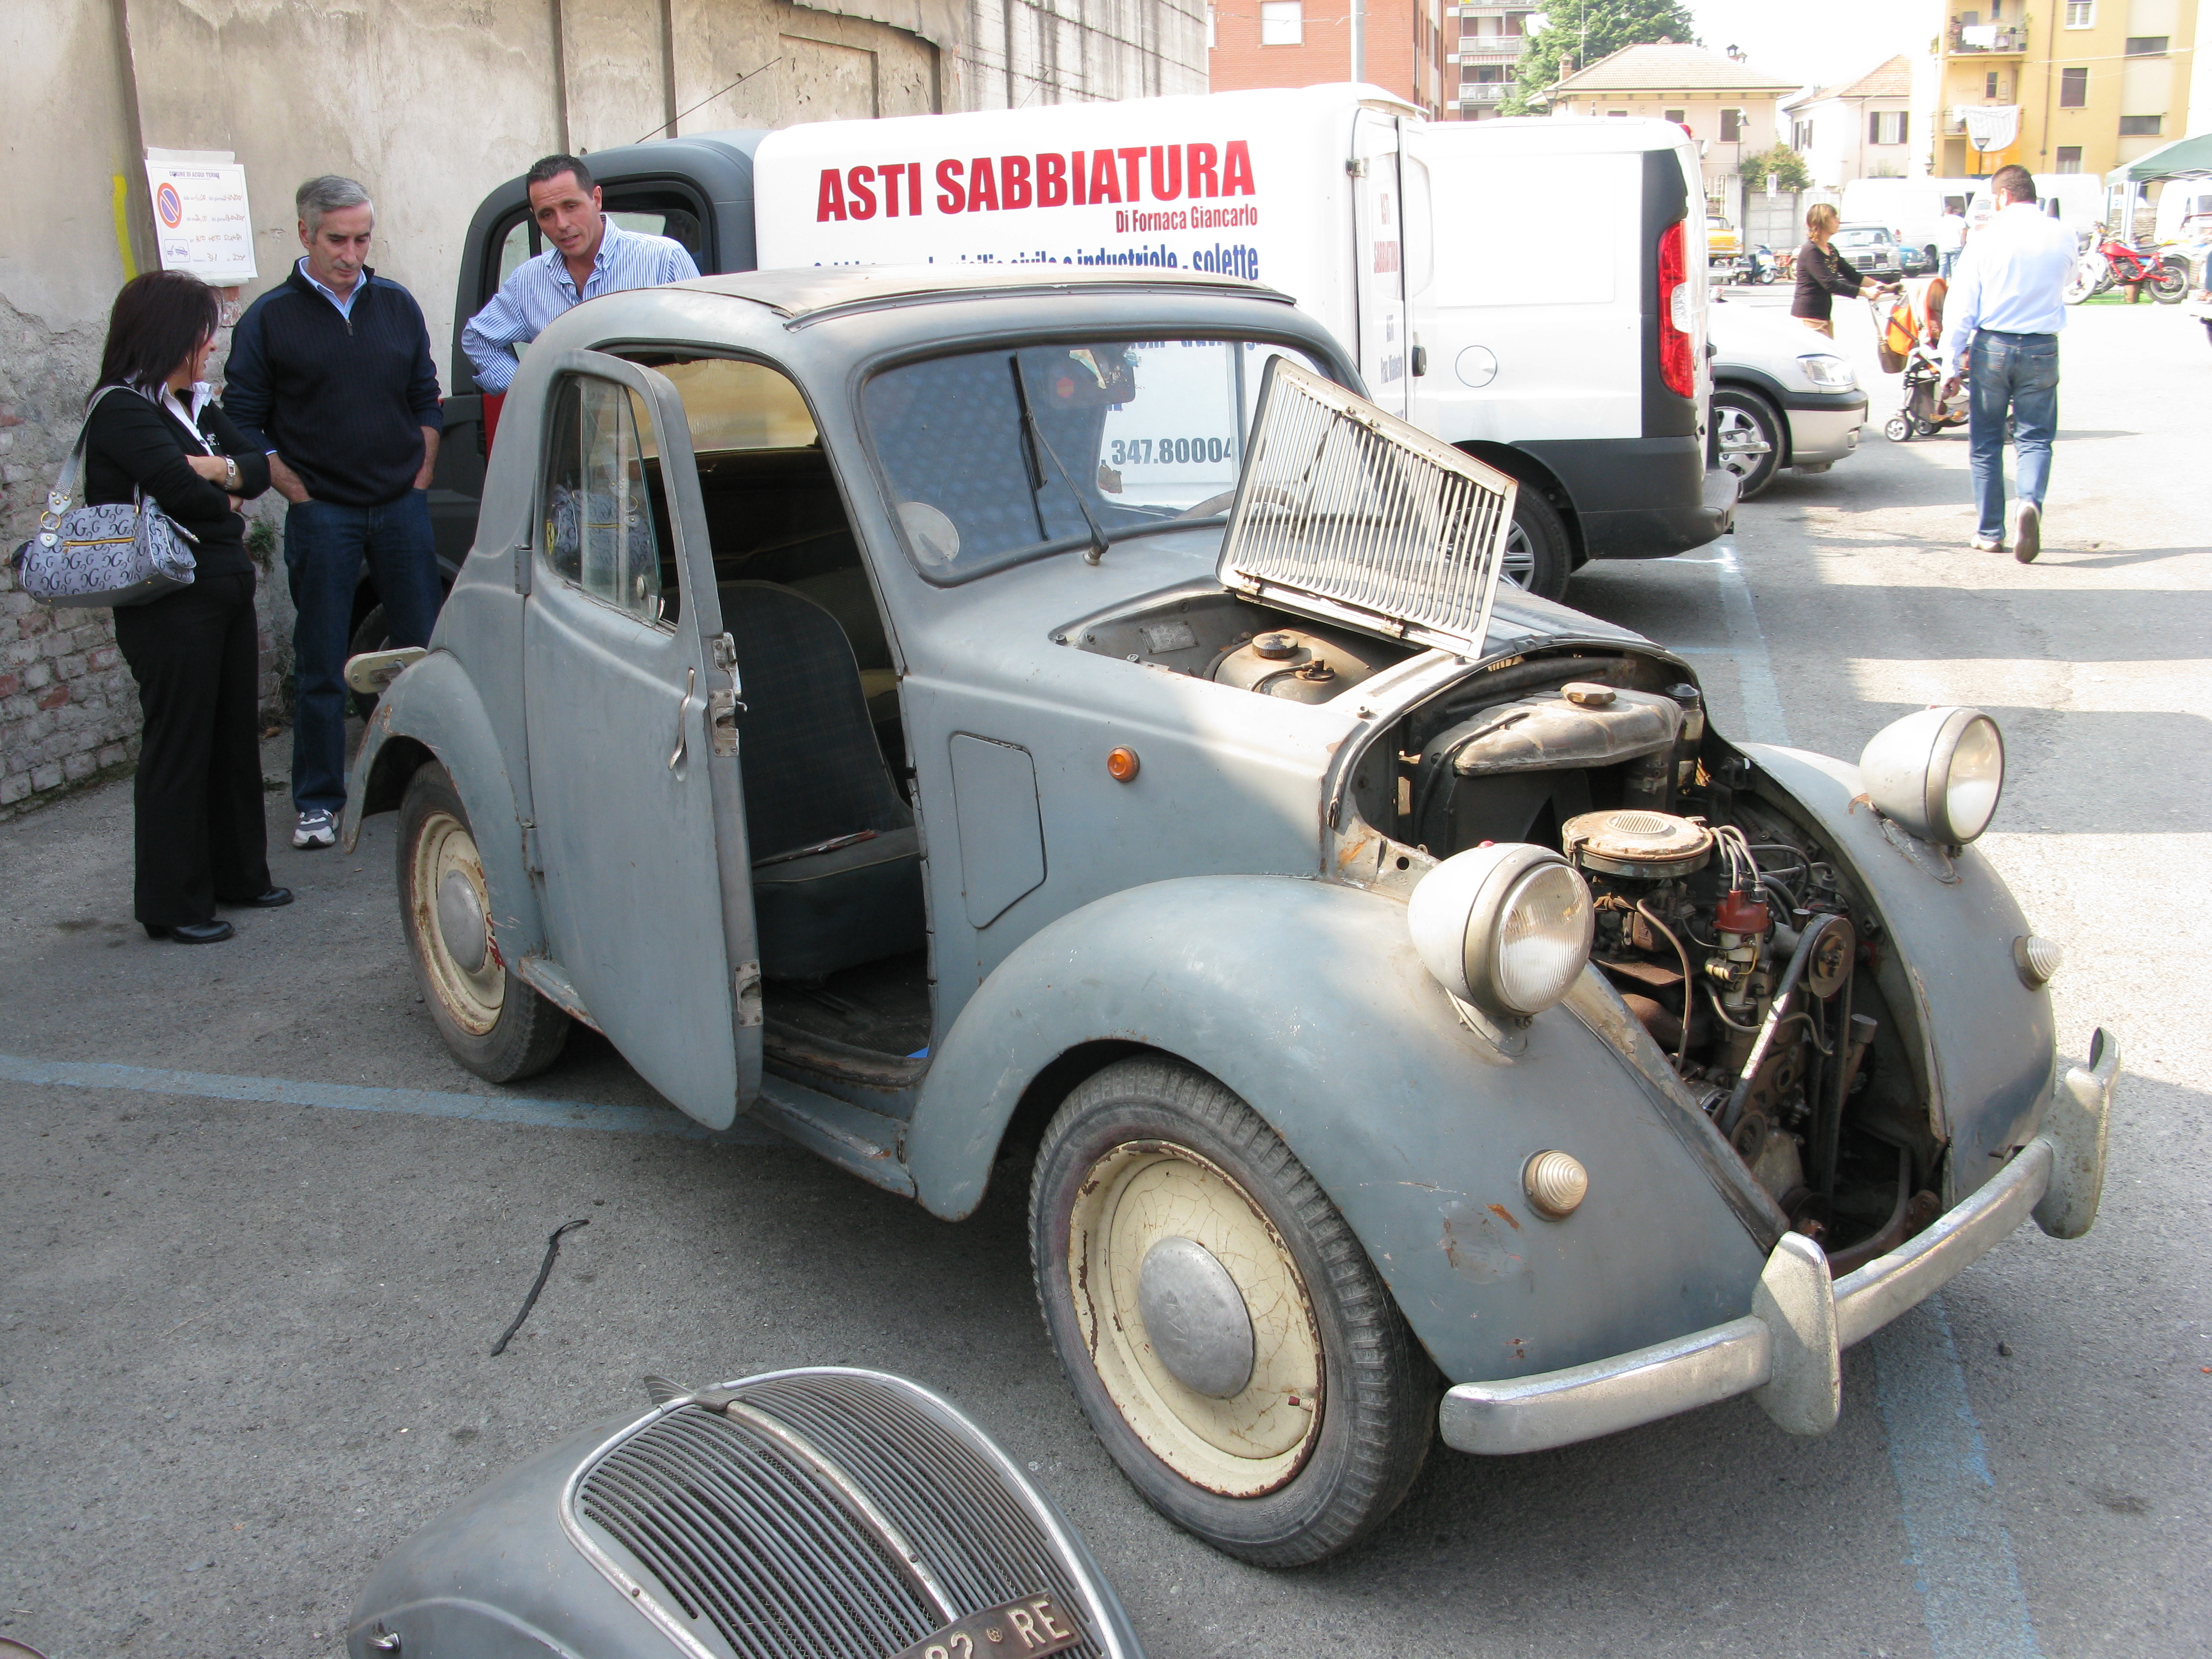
(2000, 320)
(589, 257)
(1950, 237)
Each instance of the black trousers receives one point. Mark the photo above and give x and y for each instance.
(201, 833)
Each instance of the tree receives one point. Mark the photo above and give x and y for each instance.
(1786, 166)
(1587, 30)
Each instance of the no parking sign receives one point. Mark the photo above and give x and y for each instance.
(201, 221)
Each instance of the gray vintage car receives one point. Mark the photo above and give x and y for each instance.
(1049, 726)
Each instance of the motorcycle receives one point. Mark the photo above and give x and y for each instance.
(1764, 268)
(2111, 262)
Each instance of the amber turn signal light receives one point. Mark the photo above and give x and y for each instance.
(1122, 764)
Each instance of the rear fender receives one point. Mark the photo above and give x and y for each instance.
(1308, 1000)
(433, 711)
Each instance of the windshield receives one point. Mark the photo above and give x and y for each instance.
(1860, 238)
(994, 457)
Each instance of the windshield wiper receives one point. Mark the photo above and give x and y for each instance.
(1033, 436)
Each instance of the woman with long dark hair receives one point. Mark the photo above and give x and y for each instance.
(202, 840)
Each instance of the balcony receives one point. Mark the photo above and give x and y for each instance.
(1482, 92)
(1485, 49)
(1987, 39)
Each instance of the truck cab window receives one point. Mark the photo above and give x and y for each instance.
(601, 529)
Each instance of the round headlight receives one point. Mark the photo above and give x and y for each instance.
(1505, 928)
(1938, 772)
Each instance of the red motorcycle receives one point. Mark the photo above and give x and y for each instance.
(2112, 262)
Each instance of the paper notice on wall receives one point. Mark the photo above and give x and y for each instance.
(201, 221)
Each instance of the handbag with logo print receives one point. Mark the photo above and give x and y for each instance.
(119, 553)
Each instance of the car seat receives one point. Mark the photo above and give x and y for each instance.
(836, 858)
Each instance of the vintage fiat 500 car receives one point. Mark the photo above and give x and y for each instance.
(805, 1513)
(934, 714)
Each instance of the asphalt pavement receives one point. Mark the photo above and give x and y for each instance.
(260, 1232)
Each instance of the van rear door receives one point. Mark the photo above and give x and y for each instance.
(1378, 252)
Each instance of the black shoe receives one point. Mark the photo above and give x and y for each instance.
(271, 900)
(192, 932)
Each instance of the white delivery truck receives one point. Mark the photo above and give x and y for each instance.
(1325, 193)
(1911, 208)
(1577, 362)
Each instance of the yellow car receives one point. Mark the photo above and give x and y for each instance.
(1721, 242)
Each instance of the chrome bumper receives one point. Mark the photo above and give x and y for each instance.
(1787, 1351)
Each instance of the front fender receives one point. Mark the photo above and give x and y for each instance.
(1308, 1000)
(434, 705)
(1988, 1043)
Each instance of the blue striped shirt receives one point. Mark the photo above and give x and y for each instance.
(540, 289)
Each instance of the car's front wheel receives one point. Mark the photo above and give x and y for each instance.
(1747, 440)
(1234, 1350)
(495, 1024)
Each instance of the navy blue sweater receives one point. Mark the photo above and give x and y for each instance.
(342, 400)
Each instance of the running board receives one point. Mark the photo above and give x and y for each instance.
(852, 1137)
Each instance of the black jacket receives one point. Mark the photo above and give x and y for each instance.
(1820, 276)
(343, 399)
(133, 443)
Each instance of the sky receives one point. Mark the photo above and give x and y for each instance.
(1816, 40)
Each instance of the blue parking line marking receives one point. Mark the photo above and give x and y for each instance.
(350, 1098)
(1968, 1582)
(1962, 1559)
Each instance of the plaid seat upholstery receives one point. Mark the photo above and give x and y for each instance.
(812, 772)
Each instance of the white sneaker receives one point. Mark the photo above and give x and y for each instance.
(316, 829)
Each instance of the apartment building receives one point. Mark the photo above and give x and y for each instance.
(1479, 59)
(1861, 129)
(2057, 85)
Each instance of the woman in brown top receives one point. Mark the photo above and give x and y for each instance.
(1823, 273)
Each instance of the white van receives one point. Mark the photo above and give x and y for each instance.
(1552, 351)
(1330, 194)
(2184, 211)
(1911, 208)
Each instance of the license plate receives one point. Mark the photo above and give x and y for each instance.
(1034, 1625)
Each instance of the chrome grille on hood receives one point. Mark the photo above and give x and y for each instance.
(833, 1513)
(1345, 511)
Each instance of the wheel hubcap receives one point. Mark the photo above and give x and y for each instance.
(1742, 444)
(1519, 556)
(449, 910)
(1195, 1318)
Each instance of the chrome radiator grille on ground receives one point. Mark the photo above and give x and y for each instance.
(819, 1515)
(1348, 511)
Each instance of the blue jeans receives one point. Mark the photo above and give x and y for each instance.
(1950, 259)
(2013, 390)
(324, 547)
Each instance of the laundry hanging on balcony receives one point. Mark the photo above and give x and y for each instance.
(1990, 126)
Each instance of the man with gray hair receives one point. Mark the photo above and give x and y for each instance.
(331, 373)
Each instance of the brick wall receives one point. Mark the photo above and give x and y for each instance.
(68, 706)
(1398, 39)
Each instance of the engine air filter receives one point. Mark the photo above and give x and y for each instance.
(1634, 841)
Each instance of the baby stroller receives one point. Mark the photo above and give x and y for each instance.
(1909, 333)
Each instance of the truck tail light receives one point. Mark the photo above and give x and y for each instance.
(1677, 365)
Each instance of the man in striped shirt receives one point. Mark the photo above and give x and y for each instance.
(589, 257)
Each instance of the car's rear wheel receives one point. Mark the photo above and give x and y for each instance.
(1538, 554)
(1234, 1350)
(1747, 440)
(494, 1024)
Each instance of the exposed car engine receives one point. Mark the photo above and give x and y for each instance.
(1730, 934)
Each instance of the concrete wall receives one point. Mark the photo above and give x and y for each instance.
(430, 103)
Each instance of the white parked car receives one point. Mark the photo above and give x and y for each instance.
(1783, 396)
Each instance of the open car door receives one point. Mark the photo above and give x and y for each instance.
(1378, 244)
(629, 694)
